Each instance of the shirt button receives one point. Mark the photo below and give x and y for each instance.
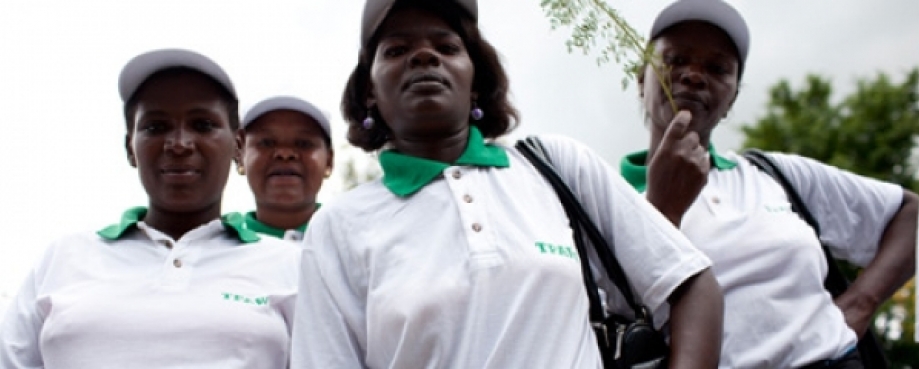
(467, 199)
(476, 227)
(167, 243)
(177, 263)
(716, 200)
(457, 174)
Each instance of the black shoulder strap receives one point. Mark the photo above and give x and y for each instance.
(580, 222)
(869, 347)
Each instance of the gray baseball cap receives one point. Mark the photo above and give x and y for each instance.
(375, 11)
(286, 103)
(716, 12)
(141, 67)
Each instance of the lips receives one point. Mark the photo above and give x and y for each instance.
(180, 173)
(425, 78)
(284, 172)
(689, 98)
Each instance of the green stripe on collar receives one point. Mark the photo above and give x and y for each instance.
(255, 225)
(633, 167)
(233, 222)
(404, 175)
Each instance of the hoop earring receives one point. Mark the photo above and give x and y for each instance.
(476, 113)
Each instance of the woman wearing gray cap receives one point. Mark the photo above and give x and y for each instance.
(767, 259)
(286, 154)
(461, 256)
(174, 284)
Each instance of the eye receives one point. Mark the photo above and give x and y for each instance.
(203, 125)
(675, 60)
(449, 48)
(303, 144)
(391, 51)
(718, 69)
(267, 143)
(153, 126)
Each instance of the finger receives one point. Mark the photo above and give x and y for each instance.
(678, 126)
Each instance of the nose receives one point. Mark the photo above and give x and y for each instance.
(283, 153)
(179, 142)
(425, 56)
(692, 75)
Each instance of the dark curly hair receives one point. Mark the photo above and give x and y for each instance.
(490, 81)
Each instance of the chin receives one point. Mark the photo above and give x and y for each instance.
(284, 199)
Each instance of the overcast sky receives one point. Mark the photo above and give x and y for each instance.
(65, 168)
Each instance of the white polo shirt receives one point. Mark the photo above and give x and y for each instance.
(218, 298)
(474, 269)
(769, 262)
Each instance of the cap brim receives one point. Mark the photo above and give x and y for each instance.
(286, 103)
(375, 11)
(138, 69)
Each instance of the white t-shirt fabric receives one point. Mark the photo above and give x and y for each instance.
(478, 269)
(770, 263)
(208, 302)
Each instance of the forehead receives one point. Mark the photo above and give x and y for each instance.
(409, 22)
(697, 35)
(177, 87)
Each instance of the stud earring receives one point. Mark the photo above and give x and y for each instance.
(476, 113)
(328, 173)
(368, 122)
(240, 169)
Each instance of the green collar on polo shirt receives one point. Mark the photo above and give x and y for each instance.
(405, 175)
(635, 171)
(258, 226)
(233, 222)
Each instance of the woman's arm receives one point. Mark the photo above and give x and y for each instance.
(894, 264)
(327, 308)
(20, 328)
(696, 316)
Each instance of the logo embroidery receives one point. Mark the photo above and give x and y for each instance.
(262, 300)
(564, 251)
(778, 208)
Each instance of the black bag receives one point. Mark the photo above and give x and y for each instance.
(869, 348)
(623, 342)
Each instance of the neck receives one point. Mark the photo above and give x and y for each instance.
(445, 148)
(176, 224)
(285, 218)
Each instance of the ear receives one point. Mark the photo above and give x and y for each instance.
(330, 164)
(240, 146)
(640, 78)
(132, 160)
(371, 99)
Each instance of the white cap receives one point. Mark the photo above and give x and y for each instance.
(375, 11)
(138, 69)
(286, 103)
(716, 12)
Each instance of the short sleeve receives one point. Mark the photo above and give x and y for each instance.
(656, 257)
(852, 210)
(21, 328)
(329, 320)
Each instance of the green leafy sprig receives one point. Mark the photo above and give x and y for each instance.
(593, 22)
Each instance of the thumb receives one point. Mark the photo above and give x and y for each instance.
(678, 126)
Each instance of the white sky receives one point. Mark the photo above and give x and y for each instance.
(66, 169)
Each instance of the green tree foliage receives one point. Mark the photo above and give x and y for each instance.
(873, 132)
